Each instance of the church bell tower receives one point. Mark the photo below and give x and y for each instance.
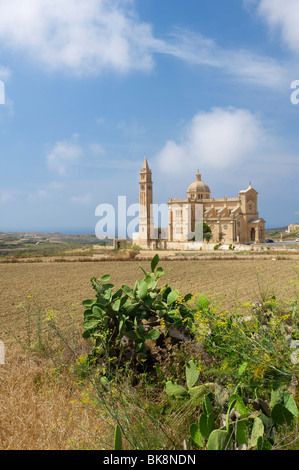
(145, 201)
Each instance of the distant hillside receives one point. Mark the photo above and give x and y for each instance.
(276, 229)
(45, 244)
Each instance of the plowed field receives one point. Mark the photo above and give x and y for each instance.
(60, 285)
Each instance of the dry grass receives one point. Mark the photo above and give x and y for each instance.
(38, 409)
(42, 408)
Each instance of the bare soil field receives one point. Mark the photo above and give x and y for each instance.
(60, 285)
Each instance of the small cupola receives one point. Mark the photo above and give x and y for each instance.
(198, 189)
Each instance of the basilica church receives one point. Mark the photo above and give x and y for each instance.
(230, 220)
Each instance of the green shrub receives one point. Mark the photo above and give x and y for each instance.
(120, 323)
(247, 424)
(216, 247)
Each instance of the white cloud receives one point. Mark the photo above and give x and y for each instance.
(63, 155)
(283, 16)
(216, 139)
(245, 65)
(82, 36)
(91, 36)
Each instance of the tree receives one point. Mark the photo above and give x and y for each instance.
(202, 229)
(207, 236)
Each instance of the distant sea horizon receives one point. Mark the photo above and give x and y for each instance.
(78, 231)
(89, 231)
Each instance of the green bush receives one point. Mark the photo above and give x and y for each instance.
(120, 323)
(248, 424)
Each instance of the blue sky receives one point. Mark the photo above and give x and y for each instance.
(93, 86)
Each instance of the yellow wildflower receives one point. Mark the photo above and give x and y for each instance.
(51, 315)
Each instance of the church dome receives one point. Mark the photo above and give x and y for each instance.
(199, 187)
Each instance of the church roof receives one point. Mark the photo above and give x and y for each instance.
(145, 164)
(198, 186)
(255, 221)
(248, 189)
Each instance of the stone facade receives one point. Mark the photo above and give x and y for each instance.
(231, 220)
(293, 228)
